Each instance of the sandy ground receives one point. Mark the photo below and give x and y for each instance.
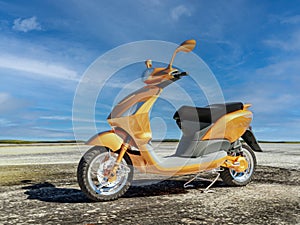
(38, 186)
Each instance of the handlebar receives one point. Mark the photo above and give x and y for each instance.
(179, 74)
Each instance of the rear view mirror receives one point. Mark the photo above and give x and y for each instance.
(185, 46)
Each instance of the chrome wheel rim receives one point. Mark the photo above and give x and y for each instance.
(96, 174)
(244, 176)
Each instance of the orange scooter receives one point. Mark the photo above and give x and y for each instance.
(210, 140)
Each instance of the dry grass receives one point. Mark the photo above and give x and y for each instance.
(18, 174)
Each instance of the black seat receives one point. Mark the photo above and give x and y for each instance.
(208, 114)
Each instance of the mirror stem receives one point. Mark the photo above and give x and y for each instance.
(172, 59)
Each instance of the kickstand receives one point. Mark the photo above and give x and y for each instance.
(187, 185)
(206, 190)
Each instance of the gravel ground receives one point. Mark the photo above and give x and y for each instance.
(277, 155)
(49, 194)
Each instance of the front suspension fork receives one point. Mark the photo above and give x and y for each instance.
(123, 150)
(112, 174)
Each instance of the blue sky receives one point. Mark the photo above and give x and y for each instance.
(252, 47)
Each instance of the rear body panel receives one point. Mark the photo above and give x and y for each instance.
(230, 126)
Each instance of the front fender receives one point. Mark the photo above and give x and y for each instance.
(107, 139)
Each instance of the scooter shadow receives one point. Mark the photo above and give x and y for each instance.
(48, 192)
(165, 187)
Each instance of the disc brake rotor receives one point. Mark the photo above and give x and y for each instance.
(104, 173)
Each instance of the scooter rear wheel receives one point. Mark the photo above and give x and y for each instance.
(233, 178)
(93, 170)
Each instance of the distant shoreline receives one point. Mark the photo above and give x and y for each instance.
(280, 142)
(25, 142)
(39, 142)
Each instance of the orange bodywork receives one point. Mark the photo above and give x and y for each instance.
(132, 116)
(153, 167)
(137, 125)
(159, 75)
(108, 139)
(146, 164)
(230, 126)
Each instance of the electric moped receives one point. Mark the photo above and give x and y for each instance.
(210, 140)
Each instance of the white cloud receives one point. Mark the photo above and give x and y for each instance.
(26, 25)
(56, 117)
(273, 89)
(292, 43)
(3, 98)
(288, 69)
(180, 11)
(63, 118)
(291, 20)
(34, 66)
(35, 133)
(10, 104)
(83, 120)
(151, 3)
(264, 104)
(6, 123)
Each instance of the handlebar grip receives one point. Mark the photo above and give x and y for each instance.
(179, 75)
(184, 74)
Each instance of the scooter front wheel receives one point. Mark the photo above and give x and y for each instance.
(97, 178)
(233, 178)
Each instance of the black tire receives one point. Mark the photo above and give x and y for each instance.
(232, 178)
(85, 182)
